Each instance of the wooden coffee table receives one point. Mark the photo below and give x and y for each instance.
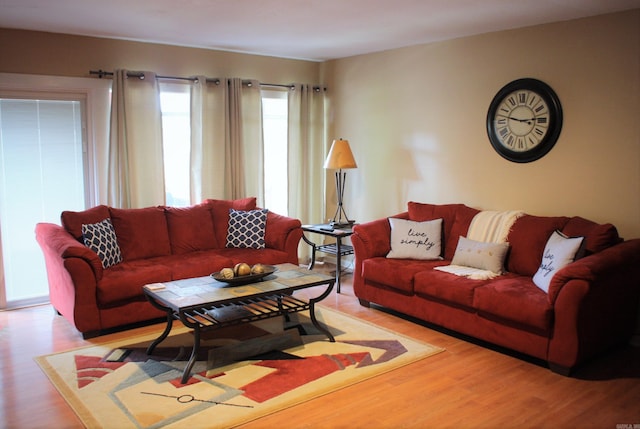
(205, 304)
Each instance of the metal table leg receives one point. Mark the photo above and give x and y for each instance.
(338, 262)
(313, 251)
(194, 355)
(167, 328)
(312, 312)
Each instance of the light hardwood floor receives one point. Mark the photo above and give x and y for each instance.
(467, 386)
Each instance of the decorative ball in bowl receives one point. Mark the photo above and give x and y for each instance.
(243, 273)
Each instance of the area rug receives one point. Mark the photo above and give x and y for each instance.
(117, 385)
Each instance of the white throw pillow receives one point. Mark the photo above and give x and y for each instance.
(480, 254)
(415, 240)
(559, 251)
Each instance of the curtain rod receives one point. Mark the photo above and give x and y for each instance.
(101, 73)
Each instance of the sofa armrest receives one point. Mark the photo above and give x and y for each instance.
(370, 240)
(73, 272)
(283, 233)
(55, 239)
(373, 239)
(595, 303)
(620, 261)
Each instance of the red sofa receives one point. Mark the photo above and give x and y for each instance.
(157, 244)
(591, 304)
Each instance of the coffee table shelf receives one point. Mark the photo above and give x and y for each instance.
(245, 311)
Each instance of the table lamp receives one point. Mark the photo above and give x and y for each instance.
(339, 158)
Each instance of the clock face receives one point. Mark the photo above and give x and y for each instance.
(524, 120)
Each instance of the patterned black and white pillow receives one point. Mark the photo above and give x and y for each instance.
(101, 238)
(247, 228)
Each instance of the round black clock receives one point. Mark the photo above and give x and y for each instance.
(524, 120)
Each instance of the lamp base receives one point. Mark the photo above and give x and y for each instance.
(340, 218)
(341, 224)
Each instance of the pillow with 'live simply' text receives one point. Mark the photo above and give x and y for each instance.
(415, 240)
(559, 252)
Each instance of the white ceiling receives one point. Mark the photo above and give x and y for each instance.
(304, 29)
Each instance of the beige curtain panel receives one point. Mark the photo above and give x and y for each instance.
(136, 168)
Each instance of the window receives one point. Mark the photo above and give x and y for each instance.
(175, 103)
(176, 135)
(275, 135)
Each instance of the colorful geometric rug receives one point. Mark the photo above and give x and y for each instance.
(116, 384)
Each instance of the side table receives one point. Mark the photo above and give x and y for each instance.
(338, 248)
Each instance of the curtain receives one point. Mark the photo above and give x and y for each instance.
(226, 144)
(306, 153)
(209, 177)
(244, 140)
(136, 169)
(307, 140)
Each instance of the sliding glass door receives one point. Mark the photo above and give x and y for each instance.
(43, 166)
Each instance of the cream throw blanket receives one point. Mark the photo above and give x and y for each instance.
(492, 226)
(487, 226)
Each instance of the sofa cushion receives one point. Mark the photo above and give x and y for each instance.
(481, 255)
(415, 240)
(450, 288)
(516, 299)
(458, 215)
(422, 211)
(527, 239)
(142, 233)
(220, 210)
(597, 237)
(190, 228)
(266, 256)
(124, 282)
(246, 228)
(197, 263)
(397, 274)
(101, 238)
(460, 227)
(73, 221)
(559, 252)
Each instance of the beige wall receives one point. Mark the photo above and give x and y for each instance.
(66, 55)
(415, 118)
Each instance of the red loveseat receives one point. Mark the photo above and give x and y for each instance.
(591, 304)
(157, 244)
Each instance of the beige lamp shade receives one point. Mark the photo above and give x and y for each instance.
(340, 156)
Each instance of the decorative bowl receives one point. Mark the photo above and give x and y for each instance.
(249, 278)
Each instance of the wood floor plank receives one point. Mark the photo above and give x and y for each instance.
(467, 385)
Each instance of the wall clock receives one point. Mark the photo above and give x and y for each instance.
(524, 120)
